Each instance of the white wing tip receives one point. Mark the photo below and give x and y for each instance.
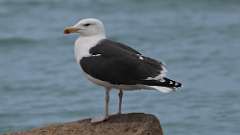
(162, 89)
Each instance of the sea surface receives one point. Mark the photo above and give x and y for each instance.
(199, 41)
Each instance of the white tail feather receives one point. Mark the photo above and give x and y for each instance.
(162, 89)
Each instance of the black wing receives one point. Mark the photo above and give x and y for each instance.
(120, 45)
(148, 60)
(119, 64)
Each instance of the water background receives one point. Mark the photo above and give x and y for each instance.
(40, 83)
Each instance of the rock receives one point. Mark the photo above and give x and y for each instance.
(124, 124)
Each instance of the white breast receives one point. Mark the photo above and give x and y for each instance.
(84, 44)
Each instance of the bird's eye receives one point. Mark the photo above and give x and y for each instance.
(87, 24)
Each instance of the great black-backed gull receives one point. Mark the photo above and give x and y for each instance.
(114, 65)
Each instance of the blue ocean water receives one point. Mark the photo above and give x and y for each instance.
(40, 83)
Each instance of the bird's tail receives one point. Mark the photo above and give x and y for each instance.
(164, 85)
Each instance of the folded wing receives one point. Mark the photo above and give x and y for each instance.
(119, 64)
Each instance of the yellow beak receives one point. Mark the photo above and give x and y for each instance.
(69, 30)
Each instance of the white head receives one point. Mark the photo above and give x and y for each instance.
(87, 27)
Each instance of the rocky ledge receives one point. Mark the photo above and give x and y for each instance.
(124, 124)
